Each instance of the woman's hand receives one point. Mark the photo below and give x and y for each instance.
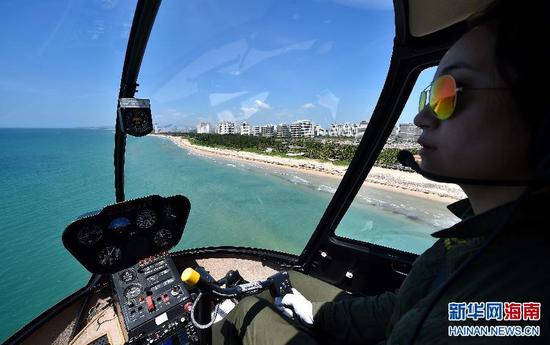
(295, 304)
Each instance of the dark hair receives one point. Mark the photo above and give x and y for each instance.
(522, 52)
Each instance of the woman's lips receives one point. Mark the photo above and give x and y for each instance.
(426, 148)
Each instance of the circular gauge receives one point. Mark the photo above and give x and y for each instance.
(146, 219)
(138, 121)
(89, 235)
(169, 213)
(109, 256)
(132, 291)
(127, 276)
(163, 238)
(119, 225)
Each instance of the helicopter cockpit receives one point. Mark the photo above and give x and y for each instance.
(205, 217)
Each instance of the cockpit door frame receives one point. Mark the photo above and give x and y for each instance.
(410, 56)
(144, 18)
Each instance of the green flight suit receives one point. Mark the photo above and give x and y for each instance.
(512, 269)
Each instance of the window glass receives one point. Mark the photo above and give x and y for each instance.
(258, 106)
(396, 207)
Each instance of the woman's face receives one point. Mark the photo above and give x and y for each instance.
(486, 137)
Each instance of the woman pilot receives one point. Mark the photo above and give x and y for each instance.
(486, 118)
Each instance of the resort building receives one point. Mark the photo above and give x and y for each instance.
(347, 130)
(318, 131)
(301, 129)
(245, 129)
(255, 131)
(361, 130)
(283, 131)
(409, 132)
(203, 127)
(226, 127)
(267, 131)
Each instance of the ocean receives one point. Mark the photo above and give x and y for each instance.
(48, 177)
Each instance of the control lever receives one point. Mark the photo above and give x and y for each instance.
(278, 285)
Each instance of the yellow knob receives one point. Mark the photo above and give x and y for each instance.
(190, 276)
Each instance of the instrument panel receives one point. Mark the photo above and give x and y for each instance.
(120, 235)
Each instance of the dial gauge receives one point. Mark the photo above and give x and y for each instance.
(128, 276)
(146, 219)
(163, 238)
(132, 291)
(90, 235)
(109, 256)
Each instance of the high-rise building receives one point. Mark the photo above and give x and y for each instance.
(255, 131)
(203, 127)
(283, 131)
(347, 130)
(361, 130)
(301, 129)
(318, 131)
(226, 127)
(267, 131)
(245, 129)
(409, 131)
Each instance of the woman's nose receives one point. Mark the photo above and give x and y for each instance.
(425, 119)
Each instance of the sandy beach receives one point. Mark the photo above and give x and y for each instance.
(394, 180)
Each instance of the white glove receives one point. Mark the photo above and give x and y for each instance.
(295, 304)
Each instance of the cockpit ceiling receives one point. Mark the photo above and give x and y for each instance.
(429, 16)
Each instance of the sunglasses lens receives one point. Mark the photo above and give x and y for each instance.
(422, 102)
(443, 97)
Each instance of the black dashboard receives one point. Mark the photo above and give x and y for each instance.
(120, 235)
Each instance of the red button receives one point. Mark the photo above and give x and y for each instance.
(165, 298)
(150, 303)
(188, 306)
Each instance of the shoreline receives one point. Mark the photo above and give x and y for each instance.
(381, 178)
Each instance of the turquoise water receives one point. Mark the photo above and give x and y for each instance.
(49, 177)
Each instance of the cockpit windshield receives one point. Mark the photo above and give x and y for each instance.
(283, 80)
(258, 107)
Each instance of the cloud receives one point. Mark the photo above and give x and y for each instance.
(308, 106)
(226, 115)
(262, 105)
(254, 104)
(219, 98)
(255, 56)
(184, 84)
(328, 100)
(248, 112)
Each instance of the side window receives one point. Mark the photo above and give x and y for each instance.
(396, 207)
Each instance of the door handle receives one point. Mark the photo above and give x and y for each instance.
(401, 268)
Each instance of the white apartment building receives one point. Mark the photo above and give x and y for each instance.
(226, 127)
(361, 130)
(347, 130)
(203, 127)
(245, 129)
(283, 131)
(318, 131)
(267, 131)
(408, 131)
(255, 131)
(301, 129)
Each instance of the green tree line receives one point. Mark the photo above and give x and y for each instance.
(326, 150)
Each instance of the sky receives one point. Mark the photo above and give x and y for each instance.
(259, 61)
